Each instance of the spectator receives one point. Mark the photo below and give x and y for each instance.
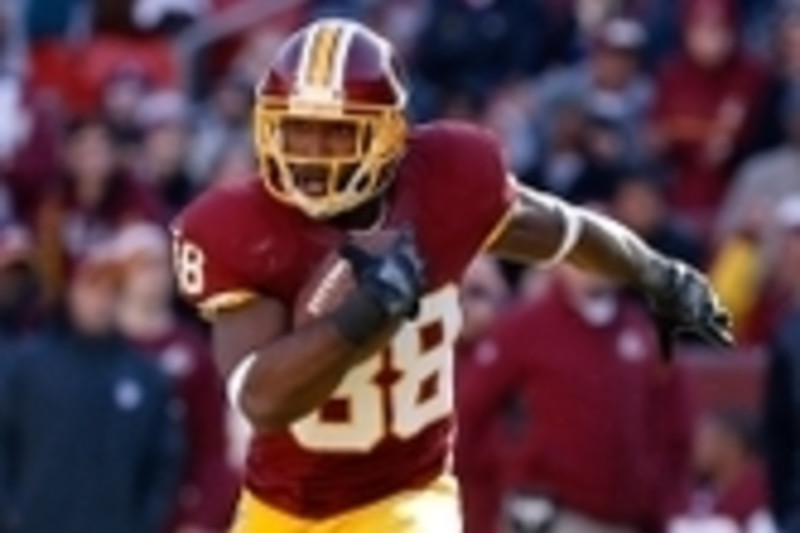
(224, 125)
(759, 287)
(163, 117)
(708, 103)
(471, 46)
(566, 165)
(739, 274)
(18, 289)
(616, 93)
(95, 198)
(123, 91)
(764, 180)
(731, 483)
(781, 405)
(88, 429)
(28, 150)
(484, 293)
(618, 462)
(639, 203)
(208, 486)
(746, 229)
(784, 72)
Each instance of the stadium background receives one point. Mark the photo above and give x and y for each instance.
(595, 100)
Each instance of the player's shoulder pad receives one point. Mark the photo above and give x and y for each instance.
(211, 237)
(457, 138)
(469, 171)
(470, 156)
(210, 218)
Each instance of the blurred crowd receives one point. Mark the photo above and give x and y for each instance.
(681, 118)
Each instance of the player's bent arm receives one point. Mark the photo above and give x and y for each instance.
(278, 374)
(543, 229)
(546, 230)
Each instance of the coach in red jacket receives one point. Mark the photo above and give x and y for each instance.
(484, 294)
(606, 437)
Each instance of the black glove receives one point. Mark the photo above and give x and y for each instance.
(395, 278)
(684, 302)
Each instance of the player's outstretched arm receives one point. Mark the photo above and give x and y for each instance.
(277, 373)
(544, 229)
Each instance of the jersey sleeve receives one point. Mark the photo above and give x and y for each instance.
(204, 262)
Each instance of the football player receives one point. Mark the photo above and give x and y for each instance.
(352, 407)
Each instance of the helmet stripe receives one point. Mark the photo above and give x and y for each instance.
(322, 54)
(340, 57)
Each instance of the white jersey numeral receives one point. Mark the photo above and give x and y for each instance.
(422, 354)
(189, 264)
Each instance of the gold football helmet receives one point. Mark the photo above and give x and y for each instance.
(340, 73)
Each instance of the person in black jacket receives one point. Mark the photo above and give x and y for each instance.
(782, 389)
(90, 439)
(782, 423)
(17, 287)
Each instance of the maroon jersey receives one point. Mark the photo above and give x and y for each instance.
(388, 425)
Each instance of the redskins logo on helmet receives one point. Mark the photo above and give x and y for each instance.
(341, 73)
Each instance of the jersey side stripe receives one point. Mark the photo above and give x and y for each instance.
(225, 301)
(504, 220)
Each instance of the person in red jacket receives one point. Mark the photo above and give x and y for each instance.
(209, 487)
(731, 487)
(708, 101)
(606, 437)
(484, 294)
